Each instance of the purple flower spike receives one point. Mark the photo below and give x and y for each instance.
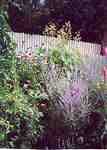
(73, 95)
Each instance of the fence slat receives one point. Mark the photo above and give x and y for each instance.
(90, 50)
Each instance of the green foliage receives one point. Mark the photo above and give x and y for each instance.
(40, 51)
(27, 80)
(3, 20)
(62, 56)
(16, 105)
(17, 102)
(5, 40)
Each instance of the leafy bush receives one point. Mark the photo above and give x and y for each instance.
(19, 117)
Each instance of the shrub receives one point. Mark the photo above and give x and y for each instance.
(19, 117)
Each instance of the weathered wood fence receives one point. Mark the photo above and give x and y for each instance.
(91, 51)
(31, 41)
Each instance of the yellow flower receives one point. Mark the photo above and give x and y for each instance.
(12, 98)
(46, 60)
(98, 85)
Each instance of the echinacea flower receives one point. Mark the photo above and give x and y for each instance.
(103, 51)
(26, 55)
(104, 73)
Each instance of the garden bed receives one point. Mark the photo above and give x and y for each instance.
(51, 99)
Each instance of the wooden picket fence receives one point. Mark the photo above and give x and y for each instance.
(31, 41)
(90, 51)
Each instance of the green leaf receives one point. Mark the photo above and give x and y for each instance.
(2, 136)
(66, 59)
(40, 51)
(56, 57)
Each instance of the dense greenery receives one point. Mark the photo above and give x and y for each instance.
(40, 97)
(19, 117)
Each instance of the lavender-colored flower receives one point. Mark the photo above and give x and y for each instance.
(73, 95)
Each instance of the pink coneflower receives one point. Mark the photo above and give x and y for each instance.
(104, 73)
(26, 55)
(103, 51)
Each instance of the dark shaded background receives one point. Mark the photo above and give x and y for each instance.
(87, 16)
